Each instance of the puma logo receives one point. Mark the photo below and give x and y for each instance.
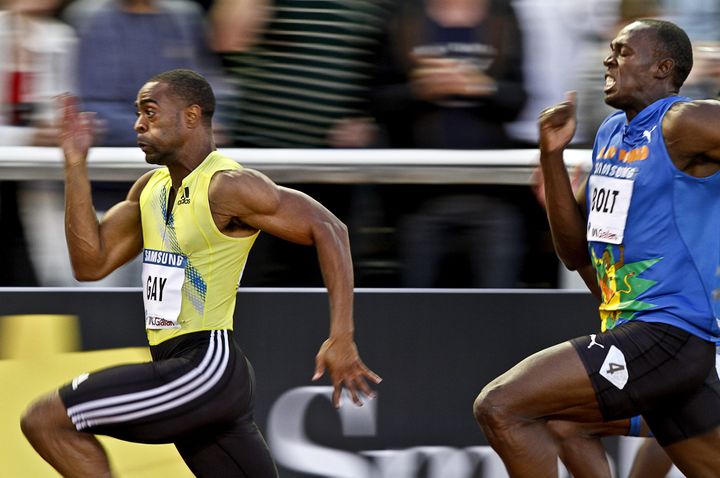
(593, 342)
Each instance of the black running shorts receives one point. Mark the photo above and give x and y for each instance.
(196, 393)
(662, 372)
(194, 381)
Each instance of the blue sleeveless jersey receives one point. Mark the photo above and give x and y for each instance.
(653, 231)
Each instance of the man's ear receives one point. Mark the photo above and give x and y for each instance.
(665, 68)
(193, 116)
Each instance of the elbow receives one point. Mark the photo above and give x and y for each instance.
(573, 258)
(339, 228)
(85, 273)
(572, 253)
(331, 231)
(574, 263)
(85, 276)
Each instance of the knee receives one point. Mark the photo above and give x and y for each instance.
(491, 407)
(42, 416)
(31, 422)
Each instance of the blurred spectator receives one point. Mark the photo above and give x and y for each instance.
(205, 4)
(699, 18)
(302, 68)
(555, 38)
(36, 63)
(124, 42)
(453, 79)
(704, 79)
(302, 72)
(453, 76)
(36, 54)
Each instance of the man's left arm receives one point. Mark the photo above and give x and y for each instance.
(692, 137)
(296, 217)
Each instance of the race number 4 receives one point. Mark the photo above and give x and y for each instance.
(614, 368)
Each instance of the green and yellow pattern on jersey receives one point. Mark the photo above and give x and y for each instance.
(215, 261)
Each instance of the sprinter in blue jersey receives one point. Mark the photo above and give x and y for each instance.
(649, 232)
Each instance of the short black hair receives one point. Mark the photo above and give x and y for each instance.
(673, 43)
(190, 87)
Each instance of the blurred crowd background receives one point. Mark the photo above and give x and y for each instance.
(432, 74)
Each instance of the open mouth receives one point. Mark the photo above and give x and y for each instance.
(609, 83)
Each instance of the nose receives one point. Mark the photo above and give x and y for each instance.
(140, 125)
(608, 60)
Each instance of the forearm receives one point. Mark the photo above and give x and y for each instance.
(333, 247)
(338, 353)
(82, 231)
(567, 223)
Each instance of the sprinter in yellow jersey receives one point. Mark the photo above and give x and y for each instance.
(194, 221)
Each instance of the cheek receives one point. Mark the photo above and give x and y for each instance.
(166, 132)
(158, 131)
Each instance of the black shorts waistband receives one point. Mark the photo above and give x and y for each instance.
(183, 344)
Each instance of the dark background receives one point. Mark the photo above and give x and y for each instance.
(434, 349)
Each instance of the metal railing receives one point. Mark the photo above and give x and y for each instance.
(342, 166)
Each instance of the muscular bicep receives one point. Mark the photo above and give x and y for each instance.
(253, 199)
(295, 217)
(120, 234)
(691, 134)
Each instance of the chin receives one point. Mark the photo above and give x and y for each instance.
(153, 159)
(611, 100)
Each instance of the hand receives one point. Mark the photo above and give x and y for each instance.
(435, 79)
(538, 184)
(557, 125)
(352, 133)
(77, 131)
(340, 357)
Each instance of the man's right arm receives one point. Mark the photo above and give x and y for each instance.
(567, 222)
(586, 272)
(96, 247)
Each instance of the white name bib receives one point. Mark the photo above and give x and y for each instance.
(163, 275)
(609, 205)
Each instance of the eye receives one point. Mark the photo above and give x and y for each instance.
(149, 113)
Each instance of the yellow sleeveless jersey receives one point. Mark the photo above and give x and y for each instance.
(191, 270)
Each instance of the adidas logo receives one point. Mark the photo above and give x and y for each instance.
(185, 198)
(79, 379)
